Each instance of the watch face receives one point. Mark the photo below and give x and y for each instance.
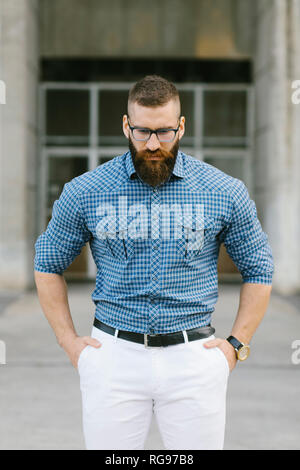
(243, 353)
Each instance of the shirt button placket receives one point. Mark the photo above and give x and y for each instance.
(155, 257)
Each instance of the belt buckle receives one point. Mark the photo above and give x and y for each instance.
(146, 340)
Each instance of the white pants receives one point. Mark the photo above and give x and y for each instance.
(123, 383)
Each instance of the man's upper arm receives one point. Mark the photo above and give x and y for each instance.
(66, 234)
(245, 241)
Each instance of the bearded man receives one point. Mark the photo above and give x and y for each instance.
(155, 219)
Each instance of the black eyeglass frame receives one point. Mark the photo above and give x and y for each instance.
(153, 132)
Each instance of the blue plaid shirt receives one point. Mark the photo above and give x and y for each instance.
(155, 283)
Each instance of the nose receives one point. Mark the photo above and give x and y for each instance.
(153, 143)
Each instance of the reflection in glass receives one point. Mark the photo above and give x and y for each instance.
(67, 117)
(224, 117)
(187, 110)
(112, 106)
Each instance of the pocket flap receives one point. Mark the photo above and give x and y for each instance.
(197, 226)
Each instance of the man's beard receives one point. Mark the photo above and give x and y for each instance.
(154, 172)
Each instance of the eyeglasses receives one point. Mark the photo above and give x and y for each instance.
(143, 134)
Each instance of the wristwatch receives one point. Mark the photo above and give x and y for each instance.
(242, 350)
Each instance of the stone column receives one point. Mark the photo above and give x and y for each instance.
(277, 136)
(18, 146)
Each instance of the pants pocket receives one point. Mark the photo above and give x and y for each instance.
(82, 356)
(224, 359)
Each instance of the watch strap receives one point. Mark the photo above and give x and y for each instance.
(234, 342)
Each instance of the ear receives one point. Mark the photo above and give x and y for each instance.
(182, 127)
(125, 126)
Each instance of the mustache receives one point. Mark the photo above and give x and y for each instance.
(157, 153)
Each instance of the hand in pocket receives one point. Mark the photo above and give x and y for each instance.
(226, 349)
(74, 347)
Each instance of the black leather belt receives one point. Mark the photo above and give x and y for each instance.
(152, 340)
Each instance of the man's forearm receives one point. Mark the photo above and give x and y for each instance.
(254, 300)
(53, 297)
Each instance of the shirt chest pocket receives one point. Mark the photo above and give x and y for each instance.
(117, 245)
(194, 240)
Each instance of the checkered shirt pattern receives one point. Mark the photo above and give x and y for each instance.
(154, 284)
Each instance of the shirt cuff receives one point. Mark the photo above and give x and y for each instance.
(262, 279)
(41, 269)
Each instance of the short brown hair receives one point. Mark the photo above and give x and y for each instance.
(153, 91)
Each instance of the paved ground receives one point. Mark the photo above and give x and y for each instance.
(40, 405)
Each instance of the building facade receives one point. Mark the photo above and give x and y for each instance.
(68, 66)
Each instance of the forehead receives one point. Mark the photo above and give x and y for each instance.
(154, 117)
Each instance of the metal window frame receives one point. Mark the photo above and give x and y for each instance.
(94, 150)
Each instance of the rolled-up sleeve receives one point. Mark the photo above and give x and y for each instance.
(66, 234)
(245, 241)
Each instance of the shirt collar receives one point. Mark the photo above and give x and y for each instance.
(129, 165)
(178, 169)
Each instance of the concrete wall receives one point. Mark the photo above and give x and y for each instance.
(277, 137)
(130, 28)
(18, 156)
